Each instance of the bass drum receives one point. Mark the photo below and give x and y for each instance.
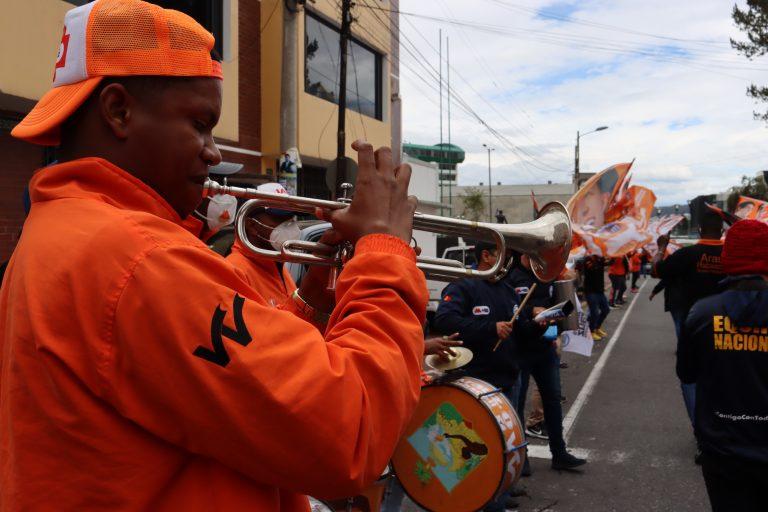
(462, 448)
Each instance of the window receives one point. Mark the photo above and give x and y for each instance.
(208, 13)
(321, 68)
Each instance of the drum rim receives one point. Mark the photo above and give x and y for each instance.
(506, 454)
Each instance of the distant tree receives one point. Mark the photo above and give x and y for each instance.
(474, 204)
(750, 187)
(754, 22)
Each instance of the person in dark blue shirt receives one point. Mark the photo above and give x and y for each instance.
(481, 312)
(723, 351)
(536, 356)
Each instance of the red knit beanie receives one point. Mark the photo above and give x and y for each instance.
(746, 248)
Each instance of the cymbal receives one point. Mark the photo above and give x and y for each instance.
(462, 357)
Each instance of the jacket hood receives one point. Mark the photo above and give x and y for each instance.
(747, 304)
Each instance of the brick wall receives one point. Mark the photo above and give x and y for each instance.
(249, 90)
(19, 161)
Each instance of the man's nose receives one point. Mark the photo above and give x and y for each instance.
(211, 154)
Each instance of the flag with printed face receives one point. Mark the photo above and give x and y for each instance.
(751, 208)
(612, 218)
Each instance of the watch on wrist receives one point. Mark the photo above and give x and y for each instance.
(308, 311)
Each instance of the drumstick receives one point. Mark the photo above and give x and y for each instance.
(517, 313)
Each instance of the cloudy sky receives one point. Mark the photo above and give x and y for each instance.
(660, 74)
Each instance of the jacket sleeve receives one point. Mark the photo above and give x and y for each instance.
(687, 366)
(198, 359)
(675, 265)
(454, 314)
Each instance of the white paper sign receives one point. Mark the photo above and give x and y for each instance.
(580, 340)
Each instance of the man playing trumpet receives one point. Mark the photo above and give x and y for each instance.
(139, 370)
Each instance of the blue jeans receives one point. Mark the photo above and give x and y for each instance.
(544, 367)
(688, 390)
(598, 309)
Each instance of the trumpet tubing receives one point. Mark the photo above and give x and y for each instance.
(546, 240)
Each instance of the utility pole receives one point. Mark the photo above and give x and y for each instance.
(448, 69)
(440, 151)
(576, 165)
(396, 101)
(344, 35)
(490, 190)
(576, 170)
(289, 82)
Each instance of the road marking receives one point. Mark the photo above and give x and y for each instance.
(597, 371)
(541, 451)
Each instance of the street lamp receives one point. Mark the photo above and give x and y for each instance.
(576, 166)
(490, 192)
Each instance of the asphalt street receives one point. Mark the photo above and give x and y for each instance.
(632, 426)
(625, 413)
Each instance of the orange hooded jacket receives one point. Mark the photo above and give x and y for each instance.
(139, 371)
(273, 283)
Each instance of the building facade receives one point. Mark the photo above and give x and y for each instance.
(30, 32)
(372, 95)
(513, 200)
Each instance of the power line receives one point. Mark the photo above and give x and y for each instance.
(572, 41)
(592, 24)
(433, 74)
(520, 131)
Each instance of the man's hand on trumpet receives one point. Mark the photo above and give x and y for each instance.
(381, 203)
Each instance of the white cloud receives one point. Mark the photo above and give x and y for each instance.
(687, 122)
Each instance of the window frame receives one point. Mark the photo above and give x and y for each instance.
(378, 67)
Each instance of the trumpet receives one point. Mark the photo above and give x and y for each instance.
(546, 240)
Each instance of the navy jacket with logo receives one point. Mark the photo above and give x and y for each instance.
(472, 307)
(521, 280)
(724, 349)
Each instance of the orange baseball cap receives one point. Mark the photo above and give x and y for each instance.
(116, 38)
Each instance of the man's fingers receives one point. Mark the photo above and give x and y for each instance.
(366, 162)
(383, 157)
(413, 203)
(331, 237)
(403, 178)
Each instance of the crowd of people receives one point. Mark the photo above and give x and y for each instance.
(139, 370)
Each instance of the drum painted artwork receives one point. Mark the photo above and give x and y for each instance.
(462, 448)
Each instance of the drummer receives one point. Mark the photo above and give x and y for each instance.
(480, 311)
(138, 369)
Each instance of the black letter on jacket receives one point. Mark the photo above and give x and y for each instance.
(239, 335)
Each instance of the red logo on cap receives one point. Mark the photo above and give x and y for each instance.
(61, 58)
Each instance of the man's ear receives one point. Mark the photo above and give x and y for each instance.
(116, 108)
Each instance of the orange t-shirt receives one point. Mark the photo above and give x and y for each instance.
(274, 283)
(617, 267)
(635, 262)
(140, 371)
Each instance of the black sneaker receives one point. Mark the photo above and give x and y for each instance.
(539, 431)
(517, 491)
(566, 461)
